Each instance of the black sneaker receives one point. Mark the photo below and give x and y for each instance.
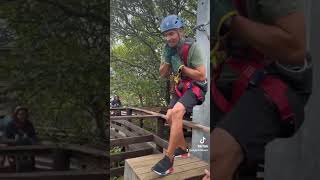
(163, 167)
(180, 153)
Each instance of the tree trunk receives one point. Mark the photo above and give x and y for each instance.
(141, 100)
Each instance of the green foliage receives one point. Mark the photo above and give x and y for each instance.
(136, 48)
(59, 64)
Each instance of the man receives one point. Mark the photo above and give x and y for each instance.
(183, 58)
(262, 44)
(116, 102)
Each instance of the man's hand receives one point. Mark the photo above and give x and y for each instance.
(168, 53)
(176, 63)
(207, 176)
(165, 70)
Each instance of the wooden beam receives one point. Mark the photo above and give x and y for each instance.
(7, 141)
(130, 140)
(160, 142)
(118, 108)
(54, 175)
(130, 154)
(133, 117)
(85, 150)
(27, 149)
(186, 123)
(136, 129)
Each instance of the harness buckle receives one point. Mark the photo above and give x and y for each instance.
(257, 77)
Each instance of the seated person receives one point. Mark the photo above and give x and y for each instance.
(22, 130)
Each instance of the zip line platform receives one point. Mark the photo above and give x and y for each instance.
(140, 168)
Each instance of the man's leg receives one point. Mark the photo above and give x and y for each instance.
(169, 116)
(176, 131)
(226, 155)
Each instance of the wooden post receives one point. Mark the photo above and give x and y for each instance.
(61, 160)
(160, 129)
(129, 113)
(141, 122)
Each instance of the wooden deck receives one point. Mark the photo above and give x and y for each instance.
(140, 168)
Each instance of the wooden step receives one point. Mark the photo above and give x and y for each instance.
(140, 168)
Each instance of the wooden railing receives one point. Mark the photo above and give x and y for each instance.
(61, 155)
(142, 113)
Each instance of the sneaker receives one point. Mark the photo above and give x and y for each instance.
(180, 153)
(163, 167)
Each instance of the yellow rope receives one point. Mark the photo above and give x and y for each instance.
(215, 56)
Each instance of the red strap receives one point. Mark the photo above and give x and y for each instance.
(246, 71)
(276, 90)
(220, 101)
(185, 52)
(186, 86)
(197, 91)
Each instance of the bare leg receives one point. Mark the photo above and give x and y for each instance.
(176, 131)
(226, 155)
(181, 143)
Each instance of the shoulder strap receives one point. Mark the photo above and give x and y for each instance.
(185, 50)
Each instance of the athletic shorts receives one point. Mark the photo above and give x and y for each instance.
(189, 100)
(254, 121)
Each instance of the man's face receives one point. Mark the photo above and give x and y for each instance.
(172, 37)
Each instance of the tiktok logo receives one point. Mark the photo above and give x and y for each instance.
(202, 140)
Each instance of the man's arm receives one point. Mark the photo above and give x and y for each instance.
(165, 70)
(284, 40)
(199, 73)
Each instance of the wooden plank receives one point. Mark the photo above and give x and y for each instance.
(130, 140)
(27, 149)
(133, 117)
(54, 175)
(142, 164)
(181, 171)
(123, 129)
(131, 154)
(186, 123)
(147, 164)
(159, 141)
(189, 168)
(115, 135)
(139, 146)
(85, 150)
(145, 158)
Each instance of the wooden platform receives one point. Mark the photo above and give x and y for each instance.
(140, 168)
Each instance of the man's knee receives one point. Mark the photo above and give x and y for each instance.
(225, 147)
(178, 111)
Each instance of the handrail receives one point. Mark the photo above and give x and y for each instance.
(186, 123)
